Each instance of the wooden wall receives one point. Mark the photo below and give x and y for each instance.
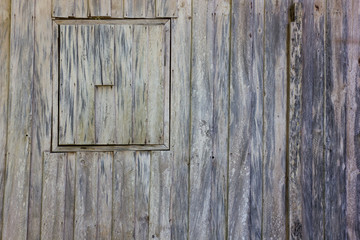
(257, 151)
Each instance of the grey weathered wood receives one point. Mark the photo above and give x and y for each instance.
(312, 132)
(142, 194)
(16, 192)
(53, 196)
(123, 82)
(166, 8)
(4, 90)
(353, 123)
(81, 8)
(99, 8)
(68, 68)
(104, 196)
(155, 84)
(209, 145)
(275, 104)
(69, 211)
(86, 189)
(117, 8)
(63, 8)
(41, 112)
(246, 121)
(335, 119)
(123, 221)
(139, 8)
(105, 115)
(294, 124)
(140, 84)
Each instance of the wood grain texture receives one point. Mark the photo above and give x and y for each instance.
(312, 132)
(335, 119)
(41, 112)
(166, 8)
(63, 8)
(53, 197)
(275, 96)
(139, 8)
(295, 68)
(99, 8)
(117, 8)
(19, 134)
(81, 8)
(353, 123)
(209, 122)
(70, 183)
(246, 123)
(5, 24)
(124, 195)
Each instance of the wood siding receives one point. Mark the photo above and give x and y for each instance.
(263, 119)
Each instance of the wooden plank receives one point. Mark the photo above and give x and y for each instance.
(69, 212)
(104, 197)
(4, 91)
(335, 119)
(139, 8)
(209, 109)
(142, 194)
(160, 199)
(53, 196)
(180, 109)
(124, 195)
(105, 115)
(156, 81)
(166, 85)
(99, 8)
(246, 121)
(85, 102)
(353, 123)
(166, 8)
(275, 99)
(68, 83)
(312, 144)
(81, 8)
(123, 35)
(140, 84)
(104, 54)
(63, 8)
(41, 112)
(294, 123)
(117, 8)
(86, 188)
(16, 192)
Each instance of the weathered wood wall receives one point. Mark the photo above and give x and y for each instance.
(264, 136)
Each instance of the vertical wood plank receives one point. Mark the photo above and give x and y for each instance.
(68, 83)
(335, 119)
(275, 104)
(53, 196)
(86, 189)
(210, 85)
(63, 8)
(156, 84)
(124, 196)
(117, 8)
(353, 123)
(246, 120)
(81, 8)
(99, 8)
(85, 102)
(105, 115)
(294, 123)
(166, 8)
(123, 82)
(142, 194)
(16, 193)
(139, 8)
(140, 84)
(69, 211)
(312, 144)
(41, 115)
(104, 197)
(4, 91)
